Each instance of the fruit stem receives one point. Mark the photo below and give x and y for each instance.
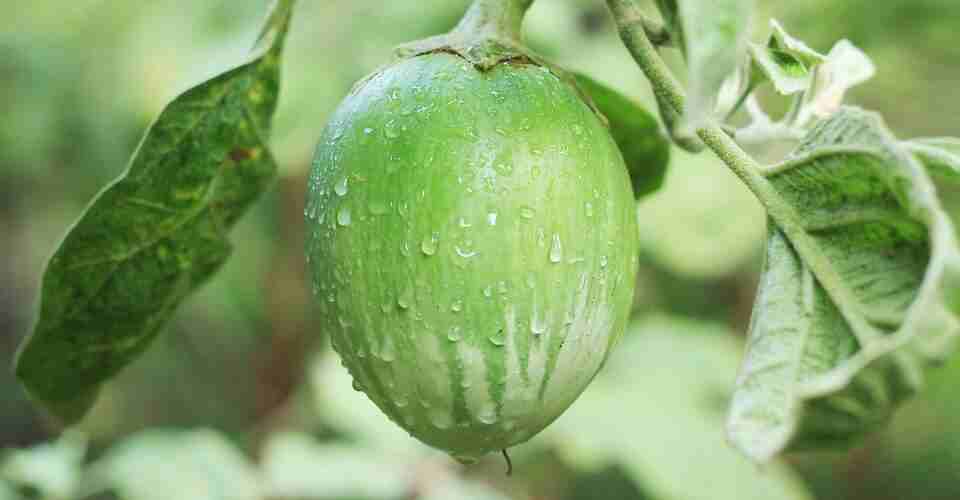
(669, 91)
(499, 19)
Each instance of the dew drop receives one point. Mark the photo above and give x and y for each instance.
(455, 334)
(488, 291)
(537, 324)
(429, 245)
(368, 131)
(492, 218)
(465, 253)
(463, 223)
(343, 216)
(589, 209)
(377, 207)
(527, 212)
(457, 306)
(603, 262)
(556, 249)
(487, 414)
(341, 187)
(440, 419)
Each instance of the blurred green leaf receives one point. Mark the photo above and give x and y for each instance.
(657, 409)
(637, 133)
(703, 223)
(168, 464)
(713, 36)
(940, 154)
(52, 469)
(836, 344)
(297, 466)
(153, 236)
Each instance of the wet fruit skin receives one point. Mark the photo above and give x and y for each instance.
(472, 240)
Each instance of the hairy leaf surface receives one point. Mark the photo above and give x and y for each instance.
(156, 234)
(845, 323)
(940, 154)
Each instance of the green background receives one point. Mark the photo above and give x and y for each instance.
(240, 398)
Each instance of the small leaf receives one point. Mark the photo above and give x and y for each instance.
(713, 35)
(154, 235)
(846, 67)
(842, 330)
(637, 133)
(941, 155)
(785, 61)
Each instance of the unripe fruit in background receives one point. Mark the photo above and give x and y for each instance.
(473, 244)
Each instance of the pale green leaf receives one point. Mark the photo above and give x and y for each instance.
(940, 154)
(701, 208)
(295, 465)
(53, 469)
(837, 341)
(657, 411)
(713, 37)
(846, 67)
(785, 61)
(155, 235)
(163, 465)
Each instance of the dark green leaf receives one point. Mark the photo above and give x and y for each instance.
(644, 147)
(941, 155)
(843, 330)
(154, 235)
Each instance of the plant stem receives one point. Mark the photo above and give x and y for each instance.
(495, 19)
(785, 216)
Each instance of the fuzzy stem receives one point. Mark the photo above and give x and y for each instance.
(784, 215)
(499, 19)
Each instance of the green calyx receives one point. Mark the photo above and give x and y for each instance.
(488, 34)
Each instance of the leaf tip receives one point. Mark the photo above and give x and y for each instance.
(758, 439)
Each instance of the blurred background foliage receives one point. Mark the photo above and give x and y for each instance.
(241, 398)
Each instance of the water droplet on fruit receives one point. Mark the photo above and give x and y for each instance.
(492, 218)
(368, 131)
(455, 334)
(405, 248)
(603, 262)
(429, 244)
(465, 253)
(527, 212)
(537, 324)
(341, 187)
(457, 306)
(343, 216)
(556, 249)
(488, 414)
(440, 419)
(488, 291)
(377, 207)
